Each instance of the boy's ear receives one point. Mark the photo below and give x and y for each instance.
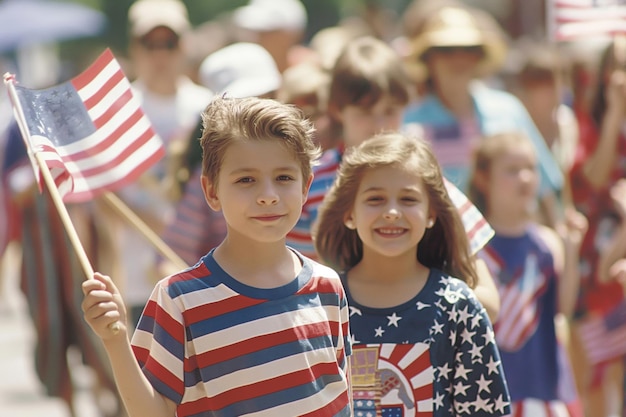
(210, 193)
(307, 187)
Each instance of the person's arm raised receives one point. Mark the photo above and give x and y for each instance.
(102, 306)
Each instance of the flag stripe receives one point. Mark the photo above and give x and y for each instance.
(110, 149)
(96, 68)
(602, 344)
(116, 79)
(575, 19)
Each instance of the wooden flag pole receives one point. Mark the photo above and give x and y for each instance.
(65, 217)
(67, 223)
(129, 215)
(54, 192)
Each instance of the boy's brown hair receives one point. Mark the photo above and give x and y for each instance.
(366, 71)
(226, 120)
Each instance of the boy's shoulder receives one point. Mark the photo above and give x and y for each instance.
(319, 269)
(184, 278)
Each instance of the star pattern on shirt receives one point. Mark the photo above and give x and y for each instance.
(483, 384)
(483, 404)
(476, 321)
(421, 306)
(467, 336)
(393, 320)
(355, 311)
(500, 404)
(462, 371)
(437, 328)
(468, 382)
(492, 365)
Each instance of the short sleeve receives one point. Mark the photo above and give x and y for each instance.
(159, 344)
(478, 383)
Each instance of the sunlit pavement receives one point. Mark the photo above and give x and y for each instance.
(21, 393)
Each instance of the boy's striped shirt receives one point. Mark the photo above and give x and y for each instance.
(214, 345)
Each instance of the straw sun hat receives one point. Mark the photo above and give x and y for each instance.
(458, 27)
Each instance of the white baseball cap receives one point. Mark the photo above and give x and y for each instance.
(145, 15)
(240, 70)
(270, 15)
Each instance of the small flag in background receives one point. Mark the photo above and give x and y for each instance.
(580, 19)
(91, 131)
(604, 337)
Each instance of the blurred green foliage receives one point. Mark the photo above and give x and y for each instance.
(321, 14)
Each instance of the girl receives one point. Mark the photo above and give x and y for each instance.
(536, 274)
(422, 343)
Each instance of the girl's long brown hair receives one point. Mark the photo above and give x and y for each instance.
(444, 246)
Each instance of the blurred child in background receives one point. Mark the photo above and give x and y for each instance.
(369, 91)
(536, 272)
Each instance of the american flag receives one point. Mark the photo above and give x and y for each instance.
(91, 130)
(604, 337)
(577, 19)
(520, 295)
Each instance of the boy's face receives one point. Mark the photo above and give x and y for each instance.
(360, 123)
(260, 190)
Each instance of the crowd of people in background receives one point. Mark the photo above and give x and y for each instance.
(528, 210)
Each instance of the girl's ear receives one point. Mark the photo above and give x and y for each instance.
(210, 193)
(349, 222)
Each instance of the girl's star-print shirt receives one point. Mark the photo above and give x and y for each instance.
(434, 355)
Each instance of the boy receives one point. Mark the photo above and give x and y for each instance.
(237, 333)
(369, 93)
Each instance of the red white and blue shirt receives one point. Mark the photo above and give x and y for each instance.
(217, 347)
(536, 366)
(434, 355)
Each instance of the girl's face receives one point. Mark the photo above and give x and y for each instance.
(513, 182)
(391, 211)
(360, 123)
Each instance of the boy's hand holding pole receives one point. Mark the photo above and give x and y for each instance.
(103, 307)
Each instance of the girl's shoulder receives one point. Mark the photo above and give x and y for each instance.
(452, 291)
